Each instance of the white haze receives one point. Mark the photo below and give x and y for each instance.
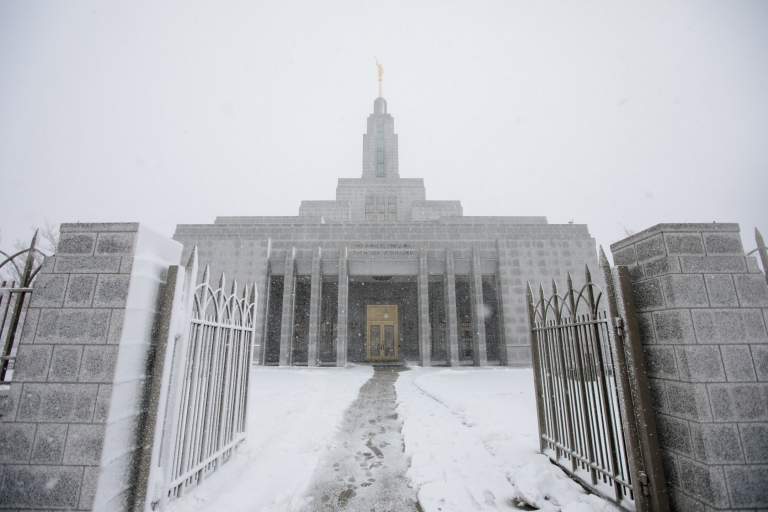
(604, 113)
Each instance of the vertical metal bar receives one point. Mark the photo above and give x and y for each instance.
(549, 370)
(563, 376)
(537, 368)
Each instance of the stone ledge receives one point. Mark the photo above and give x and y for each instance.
(676, 228)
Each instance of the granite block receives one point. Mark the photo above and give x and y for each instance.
(684, 291)
(84, 444)
(126, 265)
(747, 485)
(636, 273)
(739, 402)
(754, 439)
(88, 490)
(65, 363)
(684, 243)
(674, 327)
(82, 326)
(681, 502)
(671, 471)
(660, 362)
(720, 326)
(16, 442)
(87, 264)
(39, 487)
(723, 243)
(650, 248)
(645, 326)
(98, 364)
(752, 266)
(102, 403)
(737, 360)
(625, 256)
(662, 266)
(76, 243)
(674, 434)
(80, 291)
(111, 291)
(49, 443)
(703, 482)
(687, 400)
(720, 290)
(700, 363)
(9, 403)
(57, 402)
(115, 244)
(716, 443)
(760, 360)
(30, 326)
(49, 290)
(658, 395)
(32, 363)
(713, 265)
(648, 295)
(116, 326)
(751, 289)
(98, 227)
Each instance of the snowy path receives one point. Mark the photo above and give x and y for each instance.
(294, 415)
(366, 470)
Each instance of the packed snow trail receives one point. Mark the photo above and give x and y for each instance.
(366, 470)
(293, 417)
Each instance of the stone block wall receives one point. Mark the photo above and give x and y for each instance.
(702, 311)
(68, 430)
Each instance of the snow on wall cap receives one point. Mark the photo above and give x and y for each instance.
(714, 227)
(99, 227)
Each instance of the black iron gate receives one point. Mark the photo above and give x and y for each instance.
(592, 396)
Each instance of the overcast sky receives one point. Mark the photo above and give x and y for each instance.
(604, 113)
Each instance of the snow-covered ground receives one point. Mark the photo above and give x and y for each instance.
(294, 414)
(470, 434)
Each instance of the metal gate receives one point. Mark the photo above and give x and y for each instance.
(592, 395)
(197, 410)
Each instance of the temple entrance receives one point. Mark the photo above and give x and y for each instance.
(381, 333)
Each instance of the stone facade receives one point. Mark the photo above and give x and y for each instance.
(702, 311)
(459, 281)
(70, 426)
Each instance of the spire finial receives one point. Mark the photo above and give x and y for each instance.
(381, 72)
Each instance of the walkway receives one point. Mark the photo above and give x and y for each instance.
(366, 470)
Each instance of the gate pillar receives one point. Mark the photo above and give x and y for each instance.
(314, 309)
(341, 324)
(286, 329)
(478, 311)
(425, 352)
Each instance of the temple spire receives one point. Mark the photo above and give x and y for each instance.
(381, 72)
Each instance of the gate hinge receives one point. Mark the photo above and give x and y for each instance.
(644, 483)
(619, 322)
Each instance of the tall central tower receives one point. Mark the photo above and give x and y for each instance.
(380, 144)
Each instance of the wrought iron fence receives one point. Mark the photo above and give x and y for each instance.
(13, 305)
(591, 391)
(762, 251)
(198, 398)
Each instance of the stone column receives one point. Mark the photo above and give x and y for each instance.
(450, 314)
(702, 309)
(262, 298)
(286, 327)
(314, 309)
(341, 324)
(478, 311)
(72, 424)
(425, 352)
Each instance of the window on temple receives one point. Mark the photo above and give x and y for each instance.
(392, 209)
(369, 208)
(380, 154)
(382, 210)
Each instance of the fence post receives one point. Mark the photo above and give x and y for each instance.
(644, 456)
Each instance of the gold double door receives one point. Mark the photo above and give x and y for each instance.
(381, 333)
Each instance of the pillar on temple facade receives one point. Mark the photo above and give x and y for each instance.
(286, 328)
(423, 289)
(450, 314)
(341, 324)
(478, 312)
(314, 309)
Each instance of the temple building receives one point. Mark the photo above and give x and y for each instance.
(381, 274)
